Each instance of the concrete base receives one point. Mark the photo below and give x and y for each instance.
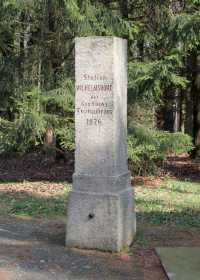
(180, 263)
(103, 221)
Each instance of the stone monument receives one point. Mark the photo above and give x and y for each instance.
(100, 207)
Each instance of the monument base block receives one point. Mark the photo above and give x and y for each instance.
(103, 221)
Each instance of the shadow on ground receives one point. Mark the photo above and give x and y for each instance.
(183, 167)
(36, 167)
(35, 250)
(186, 216)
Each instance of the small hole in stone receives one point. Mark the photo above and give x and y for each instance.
(90, 216)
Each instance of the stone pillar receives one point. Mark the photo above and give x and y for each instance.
(100, 208)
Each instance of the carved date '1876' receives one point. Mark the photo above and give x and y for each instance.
(93, 122)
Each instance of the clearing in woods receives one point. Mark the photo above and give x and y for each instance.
(33, 195)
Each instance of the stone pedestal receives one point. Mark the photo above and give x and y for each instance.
(100, 208)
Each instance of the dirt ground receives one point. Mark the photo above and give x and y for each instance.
(34, 249)
(163, 237)
(31, 250)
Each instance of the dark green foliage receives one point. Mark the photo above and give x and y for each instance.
(38, 72)
(37, 67)
(36, 112)
(148, 148)
(148, 80)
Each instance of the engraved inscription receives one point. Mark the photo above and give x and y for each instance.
(97, 91)
(96, 87)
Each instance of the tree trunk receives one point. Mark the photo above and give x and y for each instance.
(49, 138)
(176, 110)
(196, 89)
(124, 8)
(189, 112)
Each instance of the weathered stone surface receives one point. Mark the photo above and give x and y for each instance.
(100, 209)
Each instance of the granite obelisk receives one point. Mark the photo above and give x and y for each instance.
(100, 208)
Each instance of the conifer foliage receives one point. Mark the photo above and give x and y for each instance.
(37, 67)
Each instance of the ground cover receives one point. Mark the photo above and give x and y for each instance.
(168, 207)
(171, 202)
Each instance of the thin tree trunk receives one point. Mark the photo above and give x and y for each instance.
(189, 112)
(197, 106)
(182, 111)
(176, 110)
(124, 8)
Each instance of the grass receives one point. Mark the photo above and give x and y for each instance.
(173, 202)
(32, 204)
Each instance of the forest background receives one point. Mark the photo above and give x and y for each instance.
(37, 74)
